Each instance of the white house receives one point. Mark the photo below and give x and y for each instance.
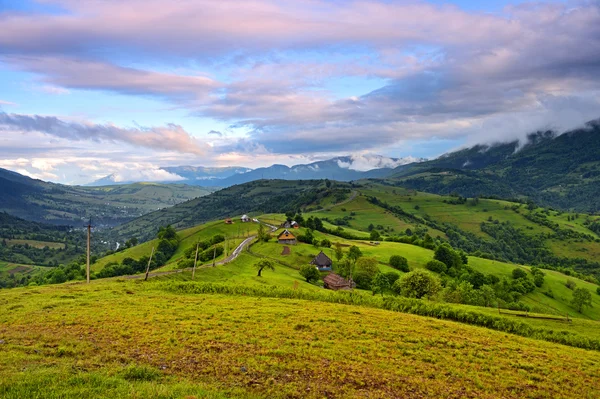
(245, 218)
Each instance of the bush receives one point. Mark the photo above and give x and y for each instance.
(538, 280)
(399, 262)
(310, 273)
(366, 270)
(571, 284)
(392, 277)
(445, 254)
(598, 290)
(436, 266)
(417, 284)
(519, 273)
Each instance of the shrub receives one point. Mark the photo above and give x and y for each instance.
(399, 262)
(598, 290)
(392, 277)
(581, 298)
(570, 284)
(366, 270)
(445, 254)
(519, 273)
(538, 280)
(417, 284)
(310, 273)
(436, 266)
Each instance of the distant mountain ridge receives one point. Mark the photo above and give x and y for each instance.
(59, 204)
(346, 168)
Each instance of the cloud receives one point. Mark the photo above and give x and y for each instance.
(170, 137)
(64, 72)
(6, 103)
(272, 70)
(365, 162)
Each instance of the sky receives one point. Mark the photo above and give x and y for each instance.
(90, 88)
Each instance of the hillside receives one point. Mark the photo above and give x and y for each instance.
(59, 204)
(559, 171)
(205, 345)
(258, 197)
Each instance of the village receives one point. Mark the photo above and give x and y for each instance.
(321, 262)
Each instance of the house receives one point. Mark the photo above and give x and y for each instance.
(255, 220)
(295, 225)
(245, 218)
(322, 262)
(286, 225)
(286, 238)
(336, 282)
(228, 221)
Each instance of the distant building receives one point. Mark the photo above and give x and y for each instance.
(255, 220)
(245, 218)
(295, 225)
(322, 262)
(228, 221)
(336, 282)
(286, 238)
(286, 225)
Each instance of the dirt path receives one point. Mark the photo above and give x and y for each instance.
(236, 252)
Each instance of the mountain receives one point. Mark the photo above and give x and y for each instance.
(561, 171)
(59, 204)
(347, 168)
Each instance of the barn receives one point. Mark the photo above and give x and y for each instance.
(286, 238)
(336, 282)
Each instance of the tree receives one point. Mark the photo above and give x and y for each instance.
(167, 233)
(581, 298)
(570, 284)
(339, 252)
(263, 234)
(417, 284)
(264, 264)
(436, 266)
(487, 294)
(375, 236)
(366, 269)
(354, 253)
(519, 273)
(325, 243)
(399, 262)
(380, 283)
(598, 290)
(310, 273)
(444, 253)
(371, 227)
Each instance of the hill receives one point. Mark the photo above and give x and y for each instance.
(59, 204)
(257, 197)
(110, 339)
(561, 171)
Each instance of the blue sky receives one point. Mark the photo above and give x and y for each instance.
(90, 88)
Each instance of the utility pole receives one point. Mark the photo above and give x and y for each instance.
(214, 255)
(148, 267)
(195, 261)
(89, 239)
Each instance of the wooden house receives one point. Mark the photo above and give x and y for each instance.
(295, 225)
(322, 262)
(336, 282)
(228, 221)
(286, 238)
(286, 225)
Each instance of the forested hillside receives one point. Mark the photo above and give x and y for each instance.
(558, 171)
(59, 204)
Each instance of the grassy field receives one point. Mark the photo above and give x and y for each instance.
(16, 269)
(188, 237)
(129, 339)
(35, 243)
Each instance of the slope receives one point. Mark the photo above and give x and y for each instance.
(560, 171)
(59, 204)
(110, 339)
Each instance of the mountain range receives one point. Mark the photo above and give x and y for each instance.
(346, 168)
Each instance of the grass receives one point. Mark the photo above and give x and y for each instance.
(130, 339)
(36, 244)
(188, 237)
(18, 269)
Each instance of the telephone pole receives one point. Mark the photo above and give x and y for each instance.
(148, 267)
(195, 261)
(89, 234)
